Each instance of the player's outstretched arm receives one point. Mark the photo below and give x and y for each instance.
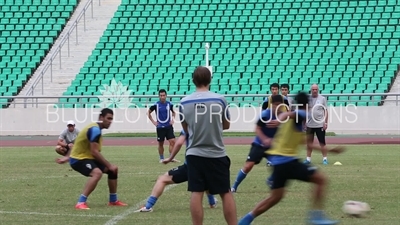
(177, 147)
(337, 149)
(287, 115)
(62, 160)
(65, 158)
(282, 118)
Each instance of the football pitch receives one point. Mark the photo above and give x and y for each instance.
(36, 190)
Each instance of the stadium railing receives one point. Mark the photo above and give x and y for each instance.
(145, 100)
(43, 69)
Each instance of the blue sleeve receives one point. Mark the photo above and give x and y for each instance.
(182, 133)
(93, 134)
(171, 107)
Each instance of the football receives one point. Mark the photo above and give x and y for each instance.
(355, 208)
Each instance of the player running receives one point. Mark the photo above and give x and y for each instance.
(261, 142)
(283, 155)
(174, 176)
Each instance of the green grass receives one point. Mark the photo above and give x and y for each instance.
(226, 134)
(31, 182)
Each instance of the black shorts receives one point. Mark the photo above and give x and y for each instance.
(179, 174)
(165, 133)
(320, 133)
(212, 174)
(85, 166)
(256, 154)
(293, 170)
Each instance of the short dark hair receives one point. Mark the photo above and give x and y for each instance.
(162, 91)
(277, 98)
(302, 99)
(106, 111)
(285, 86)
(201, 76)
(276, 85)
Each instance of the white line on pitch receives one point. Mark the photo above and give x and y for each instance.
(67, 176)
(54, 214)
(132, 209)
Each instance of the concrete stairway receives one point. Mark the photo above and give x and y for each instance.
(81, 44)
(391, 100)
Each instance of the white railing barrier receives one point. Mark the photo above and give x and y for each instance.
(35, 101)
(64, 39)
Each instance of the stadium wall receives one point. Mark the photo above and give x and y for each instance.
(50, 121)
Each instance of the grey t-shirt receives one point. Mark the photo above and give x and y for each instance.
(316, 111)
(204, 113)
(69, 137)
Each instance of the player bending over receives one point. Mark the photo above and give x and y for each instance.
(86, 159)
(261, 142)
(283, 155)
(174, 176)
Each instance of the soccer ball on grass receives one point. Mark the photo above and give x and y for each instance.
(356, 208)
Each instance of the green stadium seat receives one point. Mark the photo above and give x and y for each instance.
(29, 28)
(346, 47)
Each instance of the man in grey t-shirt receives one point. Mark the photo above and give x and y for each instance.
(204, 116)
(67, 138)
(317, 122)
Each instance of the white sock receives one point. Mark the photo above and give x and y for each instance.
(325, 158)
(309, 159)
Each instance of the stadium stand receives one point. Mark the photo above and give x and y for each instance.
(345, 46)
(28, 30)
